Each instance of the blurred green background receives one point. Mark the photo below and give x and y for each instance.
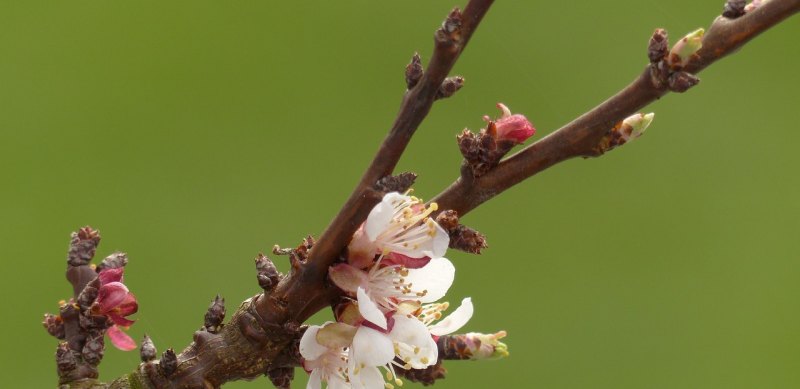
(195, 134)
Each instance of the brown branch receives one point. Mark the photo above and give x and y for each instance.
(450, 41)
(580, 136)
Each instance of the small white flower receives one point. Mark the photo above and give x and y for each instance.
(401, 228)
(381, 289)
(326, 364)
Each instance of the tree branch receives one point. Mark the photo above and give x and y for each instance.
(580, 137)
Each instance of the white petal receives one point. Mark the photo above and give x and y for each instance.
(439, 243)
(309, 348)
(335, 382)
(336, 336)
(315, 380)
(455, 320)
(369, 309)
(423, 351)
(371, 348)
(368, 378)
(382, 214)
(436, 277)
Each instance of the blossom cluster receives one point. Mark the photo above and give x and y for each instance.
(395, 274)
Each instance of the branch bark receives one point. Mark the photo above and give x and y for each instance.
(579, 137)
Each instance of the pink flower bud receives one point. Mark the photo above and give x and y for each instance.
(514, 127)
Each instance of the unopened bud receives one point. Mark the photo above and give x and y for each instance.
(94, 349)
(268, 275)
(215, 315)
(414, 71)
(54, 325)
(450, 86)
(169, 362)
(65, 359)
(633, 126)
(658, 48)
(148, 351)
(685, 48)
(113, 261)
(680, 82)
(734, 8)
(487, 346)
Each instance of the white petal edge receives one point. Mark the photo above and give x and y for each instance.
(315, 380)
(413, 332)
(436, 277)
(369, 309)
(367, 378)
(455, 320)
(309, 348)
(381, 215)
(371, 348)
(439, 243)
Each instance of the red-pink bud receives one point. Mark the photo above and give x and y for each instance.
(514, 127)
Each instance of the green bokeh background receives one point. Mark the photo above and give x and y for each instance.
(195, 134)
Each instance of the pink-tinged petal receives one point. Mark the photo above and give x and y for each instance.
(381, 215)
(120, 339)
(336, 335)
(111, 275)
(348, 278)
(435, 278)
(361, 250)
(110, 296)
(455, 320)
(516, 128)
(371, 348)
(420, 349)
(405, 261)
(310, 349)
(120, 320)
(367, 378)
(315, 380)
(128, 307)
(369, 309)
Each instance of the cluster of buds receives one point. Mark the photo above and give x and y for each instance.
(393, 276)
(483, 151)
(101, 306)
(667, 66)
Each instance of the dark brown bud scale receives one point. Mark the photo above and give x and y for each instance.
(65, 359)
(113, 261)
(680, 82)
(94, 349)
(734, 8)
(54, 325)
(397, 183)
(281, 377)
(658, 48)
(414, 71)
(449, 87)
(83, 246)
(168, 362)
(268, 275)
(215, 315)
(426, 376)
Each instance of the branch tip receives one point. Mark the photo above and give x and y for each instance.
(168, 362)
(267, 274)
(215, 315)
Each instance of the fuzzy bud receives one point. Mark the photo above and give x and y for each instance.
(473, 346)
(685, 49)
(215, 315)
(148, 351)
